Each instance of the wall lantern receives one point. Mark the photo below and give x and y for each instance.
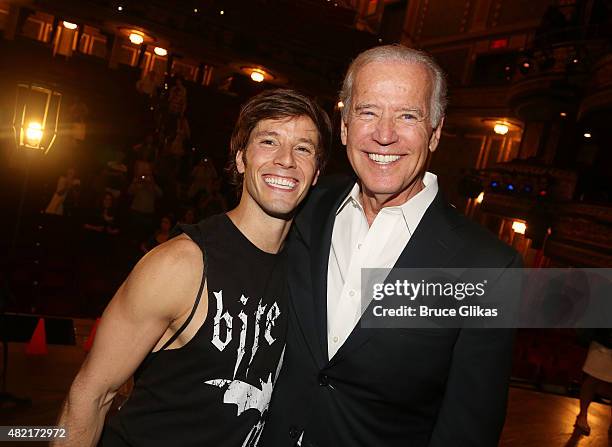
(36, 117)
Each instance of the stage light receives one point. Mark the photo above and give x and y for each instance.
(340, 104)
(222, 12)
(501, 128)
(160, 51)
(527, 188)
(587, 135)
(510, 187)
(119, 8)
(136, 38)
(480, 198)
(258, 75)
(69, 25)
(562, 114)
(519, 227)
(494, 184)
(195, 10)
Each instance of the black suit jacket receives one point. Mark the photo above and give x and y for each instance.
(388, 387)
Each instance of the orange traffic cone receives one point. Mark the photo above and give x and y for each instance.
(38, 342)
(92, 334)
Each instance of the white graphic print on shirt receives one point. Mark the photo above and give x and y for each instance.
(238, 392)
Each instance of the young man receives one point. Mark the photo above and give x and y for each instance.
(201, 319)
(346, 385)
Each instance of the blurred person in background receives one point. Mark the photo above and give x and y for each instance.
(103, 220)
(144, 192)
(202, 175)
(161, 235)
(188, 216)
(177, 98)
(101, 231)
(598, 380)
(65, 197)
(142, 156)
(211, 201)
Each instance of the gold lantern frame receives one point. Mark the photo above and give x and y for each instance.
(36, 117)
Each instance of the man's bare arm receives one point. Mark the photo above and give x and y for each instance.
(159, 291)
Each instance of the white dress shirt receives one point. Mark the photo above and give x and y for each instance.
(355, 246)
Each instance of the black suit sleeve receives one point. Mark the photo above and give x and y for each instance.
(474, 405)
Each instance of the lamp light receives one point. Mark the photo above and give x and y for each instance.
(36, 116)
(136, 38)
(258, 75)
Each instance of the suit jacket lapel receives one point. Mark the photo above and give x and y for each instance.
(316, 226)
(433, 242)
(432, 245)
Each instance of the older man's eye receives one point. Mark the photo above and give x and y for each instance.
(267, 142)
(411, 118)
(366, 114)
(304, 149)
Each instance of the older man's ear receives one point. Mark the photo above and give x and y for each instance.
(435, 136)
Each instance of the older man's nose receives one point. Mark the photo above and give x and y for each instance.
(385, 133)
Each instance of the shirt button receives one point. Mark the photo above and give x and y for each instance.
(352, 293)
(335, 339)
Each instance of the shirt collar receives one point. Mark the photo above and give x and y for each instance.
(412, 210)
(352, 198)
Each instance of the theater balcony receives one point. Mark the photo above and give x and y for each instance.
(559, 230)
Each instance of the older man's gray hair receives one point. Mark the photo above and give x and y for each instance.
(399, 53)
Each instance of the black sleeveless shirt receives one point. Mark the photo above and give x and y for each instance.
(215, 390)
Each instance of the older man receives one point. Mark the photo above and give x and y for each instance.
(343, 384)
